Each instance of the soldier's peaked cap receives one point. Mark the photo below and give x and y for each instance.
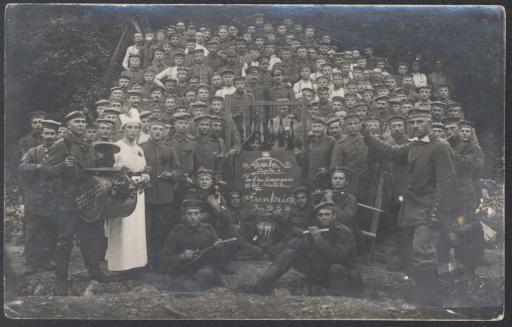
(303, 189)
(325, 205)
(73, 115)
(192, 204)
(51, 124)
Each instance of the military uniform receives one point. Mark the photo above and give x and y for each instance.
(317, 154)
(351, 153)
(327, 260)
(346, 209)
(290, 225)
(90, 235)
(214, 61)
(427, 198)
(206, 148)
(187, 151)
(161, 206)
(184, 237)
(40, 227)
(203, 71)
(280, 92)
(469, 162)
(29, 141)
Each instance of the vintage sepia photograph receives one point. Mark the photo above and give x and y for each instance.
(211, 162)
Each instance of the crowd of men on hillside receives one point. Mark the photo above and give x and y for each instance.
(375, 133)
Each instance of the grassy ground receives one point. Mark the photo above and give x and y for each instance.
(157, 297)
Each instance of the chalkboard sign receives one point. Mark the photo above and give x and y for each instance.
(267, 179)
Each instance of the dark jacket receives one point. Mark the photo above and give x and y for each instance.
(37, 193)
(29, 141)
(351, 153)
(186, 149)
(346, 207)
(430, 182)
(184, 237)
(68, 179)
(161, 158)
(337, 246)
(317, 154)
(294, 222)
(469, 162)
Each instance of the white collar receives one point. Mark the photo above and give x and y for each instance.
(425, 139)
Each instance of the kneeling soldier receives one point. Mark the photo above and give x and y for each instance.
(326, 257)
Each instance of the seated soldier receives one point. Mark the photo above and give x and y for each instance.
(326, 256)
(291, 224)
(192, 248)
(215, 212)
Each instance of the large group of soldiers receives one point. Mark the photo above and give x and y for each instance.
(374, 131)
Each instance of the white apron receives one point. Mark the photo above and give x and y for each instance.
(127, 247)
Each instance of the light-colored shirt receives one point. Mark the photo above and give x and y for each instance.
(419, 79)
(225, 91)
(131, 51)
(302, 84)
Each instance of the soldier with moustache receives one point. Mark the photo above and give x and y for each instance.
(316, 153)
(427, 200)
(34, 138)
(40, 227)
(67, 159)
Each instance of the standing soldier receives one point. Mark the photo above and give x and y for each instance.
(208, 148)
(104, 131)
(100, 106)
(217, 110)
(334, 127)
(351, 153)
(427, 199)
(112, 114)
(280, 90)
(326, 258)
(393, 185)
(469, 162)
(34, 138)
(161, 206)
(213, 60)
(316, 153)
(253, 84)
(67, 159)
(184, 144)
(438, 130)
(40, 229)
(438, 109)
(200, 68)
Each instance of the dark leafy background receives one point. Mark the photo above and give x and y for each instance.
(57, 56)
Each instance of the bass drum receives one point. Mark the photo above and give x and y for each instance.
(96, 199)
(120, 207)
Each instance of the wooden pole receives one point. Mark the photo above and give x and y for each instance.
(305, 145)
(228, 119)
(136, 25)
(375, 216)
(113, 58)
